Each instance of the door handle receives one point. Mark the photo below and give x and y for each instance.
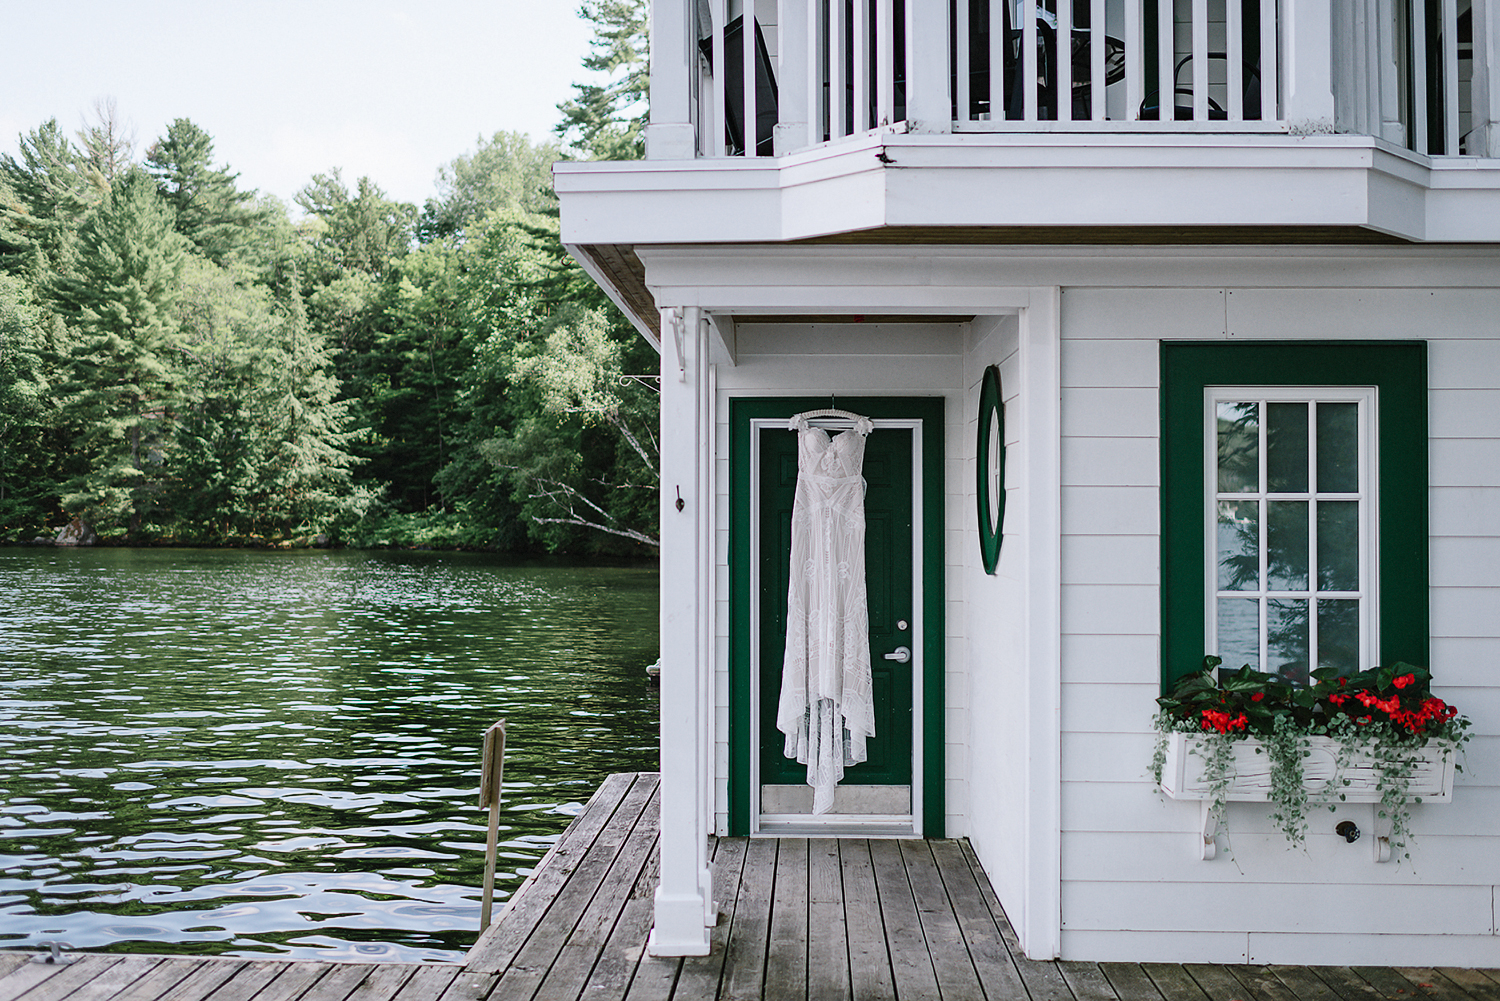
(901, 655)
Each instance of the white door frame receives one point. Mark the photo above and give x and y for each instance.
(836, 824)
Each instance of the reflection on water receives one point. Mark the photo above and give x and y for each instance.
(239, 752)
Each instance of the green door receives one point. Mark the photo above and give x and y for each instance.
(888, 579)
(904, 470)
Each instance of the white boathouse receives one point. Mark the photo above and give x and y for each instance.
(1039, 243)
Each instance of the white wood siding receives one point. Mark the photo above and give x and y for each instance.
(846, 359)
(1132, 888)
(993, 623)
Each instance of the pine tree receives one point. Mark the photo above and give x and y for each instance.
(607, 121)
(121, 391)
(210, 210)
(43, 197)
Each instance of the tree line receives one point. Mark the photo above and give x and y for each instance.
(184, 360)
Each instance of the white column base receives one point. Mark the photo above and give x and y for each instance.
(706, 891)
(674, 141)
(679, 929)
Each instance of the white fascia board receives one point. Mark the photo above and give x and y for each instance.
(952, 279)
(1463, 201)
(1034, 180)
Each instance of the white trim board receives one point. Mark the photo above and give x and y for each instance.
(843, 824)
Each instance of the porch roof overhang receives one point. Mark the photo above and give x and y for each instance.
(1024, 189)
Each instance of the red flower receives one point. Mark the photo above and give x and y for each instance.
(1337, 698)
(1404, 680)
(1257, 696)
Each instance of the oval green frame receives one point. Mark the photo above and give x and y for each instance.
(991, 509)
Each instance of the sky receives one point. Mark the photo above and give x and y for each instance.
(390, 89)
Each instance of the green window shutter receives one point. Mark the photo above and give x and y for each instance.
(1398, 371)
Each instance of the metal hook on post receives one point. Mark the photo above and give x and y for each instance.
(679, 337)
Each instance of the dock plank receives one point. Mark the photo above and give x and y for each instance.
(1174, 982)
(529, 968)
(1305, 984)
(911, 956)
(1387, 982)
(870, 975)
(1042, 979)
(159, 980)
(1086, 980)
(1131, 982)
(575, 962)
(1430, 983)
(203, 980)
(107, 980)
(11, 960)
(622, 953)
(339, 980)
(468, 987)
(507, 934)
(1478, 986)
(24, 978)
(745, 950)
(947, 949)
(427, 982)
(249, 979)
(382, 982)
(698, 977)
(786, 952)
(992, 961)
(1264, 984)
(1349, 985)
(74, 977)
(1217, 982)
(828, 938)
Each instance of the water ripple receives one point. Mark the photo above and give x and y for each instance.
(276, 753)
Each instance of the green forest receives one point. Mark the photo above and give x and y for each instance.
(184, 361)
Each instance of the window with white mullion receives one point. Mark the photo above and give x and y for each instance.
(1289, 540)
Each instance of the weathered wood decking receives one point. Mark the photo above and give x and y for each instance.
(817, 919)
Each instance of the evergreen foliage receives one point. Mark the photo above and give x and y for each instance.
(181, 360)
(607, 121)
(209, 210)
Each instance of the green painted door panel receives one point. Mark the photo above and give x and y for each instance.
(888, 581)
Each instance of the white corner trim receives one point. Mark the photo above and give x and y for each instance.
(1040, 927)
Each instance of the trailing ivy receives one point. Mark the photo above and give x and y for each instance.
(1386, 714)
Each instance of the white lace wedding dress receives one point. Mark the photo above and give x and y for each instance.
(826, 707)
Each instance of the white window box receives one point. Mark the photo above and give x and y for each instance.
(1250, 779)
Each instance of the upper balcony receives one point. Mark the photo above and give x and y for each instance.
(826, 71)
(1059, 120)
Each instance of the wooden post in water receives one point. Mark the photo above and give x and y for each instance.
(492, 769)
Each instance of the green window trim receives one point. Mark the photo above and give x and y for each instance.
(1398, 371)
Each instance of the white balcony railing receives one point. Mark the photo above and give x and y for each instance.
(1417, 73)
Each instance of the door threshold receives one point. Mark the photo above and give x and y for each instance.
(835, 825)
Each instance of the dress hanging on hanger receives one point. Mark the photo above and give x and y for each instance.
(826, 709)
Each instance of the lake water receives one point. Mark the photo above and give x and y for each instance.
(209, 751)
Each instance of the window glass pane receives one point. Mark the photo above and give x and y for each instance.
(1338, 634)
(1239, 545)
(1338, 545)
(1287, 638)
(1239, 632)
(1338, 447)
(1286, 447)
(1239, 447)
(1286, 545)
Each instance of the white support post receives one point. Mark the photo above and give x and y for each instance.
(1040, 499)
(670, 134)
(1484, 140)
(684, 894)
(929, 104)
(1307, 51)
(793, 56)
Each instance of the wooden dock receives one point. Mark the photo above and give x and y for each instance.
(818, 919)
